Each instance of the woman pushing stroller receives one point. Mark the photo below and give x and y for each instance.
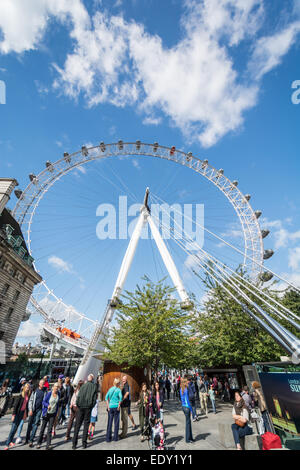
(145, 409)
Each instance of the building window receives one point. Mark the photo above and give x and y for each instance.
(12, 272)
(16, 296)
(9, 314)
(1, 334)
(5, 289)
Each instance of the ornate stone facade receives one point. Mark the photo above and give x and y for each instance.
(17, 274)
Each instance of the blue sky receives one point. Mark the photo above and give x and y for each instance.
(213, 77)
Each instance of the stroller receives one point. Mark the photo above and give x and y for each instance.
(156, 433)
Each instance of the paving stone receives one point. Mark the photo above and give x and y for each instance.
(205, 431)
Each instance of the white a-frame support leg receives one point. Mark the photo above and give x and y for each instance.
(91, 361)
(168, 261)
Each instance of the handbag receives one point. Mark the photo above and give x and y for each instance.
(239, 423)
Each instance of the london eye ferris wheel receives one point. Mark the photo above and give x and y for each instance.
(57, 215)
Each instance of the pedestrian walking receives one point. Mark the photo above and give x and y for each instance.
(261, 403)
(35, 408)
(5, 396)
(61, 403)
(49, 412)
(85, 402)
(69, 390)
(203, 395)
(158, 402)
(187, 410)
(94, 419)
(144, 403)
(168, 387)
(192, 397)
(212, 397)
(46, 383)
(20, 385)
(126, 408)
(174, 388)
(178, 381)
(196, 387)
(247, 398)
(73, 410)
(226, 392)
(20, 413)
(220, 388)
(113, 400)
(240, 428)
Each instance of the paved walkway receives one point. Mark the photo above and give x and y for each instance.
(205, 431)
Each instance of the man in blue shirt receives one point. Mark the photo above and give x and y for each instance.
(35, 411)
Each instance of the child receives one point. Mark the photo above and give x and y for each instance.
(212, 397)
(94, 419)
(158, 434)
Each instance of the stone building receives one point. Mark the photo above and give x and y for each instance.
(17, 274)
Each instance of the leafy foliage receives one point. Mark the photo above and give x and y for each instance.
(291, 300)
(152, 330)
(228, 335)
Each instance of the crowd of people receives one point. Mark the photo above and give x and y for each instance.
(64, 404)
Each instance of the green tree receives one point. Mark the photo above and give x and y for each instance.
(228, 335)
(22, 360)
(152, 329)
(291, 300)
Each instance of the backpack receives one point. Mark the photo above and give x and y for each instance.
(271, 441)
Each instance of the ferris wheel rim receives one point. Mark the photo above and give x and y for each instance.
(35, 192)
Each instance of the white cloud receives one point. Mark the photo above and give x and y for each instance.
(42, 89)
(60, 264)
(285, 239)
(82, 169)
(136, 164)
(152, 121)
(29, 329)
(270, 50)
(281, 235)
(65, 267)
(294, 258)
(233, 230)
(23, 24)
(96, 63)
(293, 278)
(230, 20)
(195, 83)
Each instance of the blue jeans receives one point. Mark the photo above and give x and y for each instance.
(188, 424)
(20, 429)
(194, 413)
(213, 404)
(265, 417)
(14, 427)
(33, 424)
(113, 417)
(239, 432)
(62, 416)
